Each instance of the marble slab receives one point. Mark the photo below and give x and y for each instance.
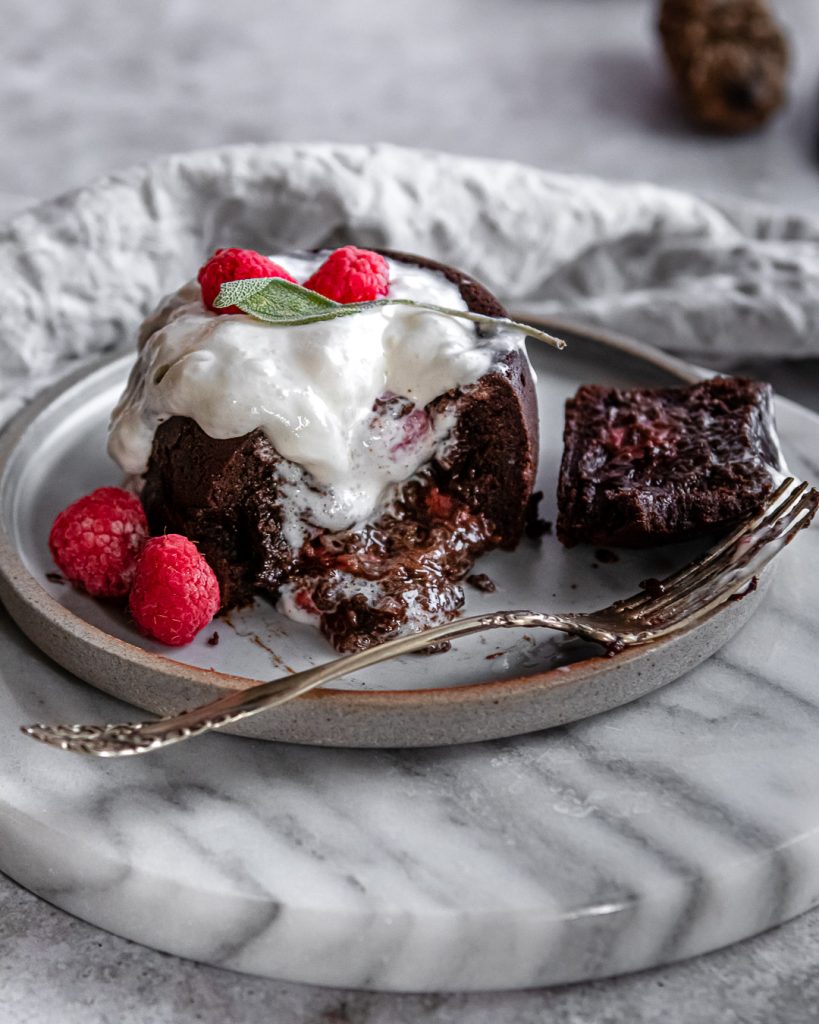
(654, 832)
(553, 90)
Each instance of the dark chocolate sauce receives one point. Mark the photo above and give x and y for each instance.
(754, 583)
(412, 558)
(536, 527)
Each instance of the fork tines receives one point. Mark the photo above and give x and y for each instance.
(732, 562)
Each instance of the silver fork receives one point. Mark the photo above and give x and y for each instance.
(726, 572)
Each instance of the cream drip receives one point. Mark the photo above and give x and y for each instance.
(310, 388)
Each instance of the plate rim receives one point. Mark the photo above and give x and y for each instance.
(22, 592)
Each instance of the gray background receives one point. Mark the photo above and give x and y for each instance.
(88, 86)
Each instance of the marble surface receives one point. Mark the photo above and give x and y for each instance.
(88, 87)
(668, 827)
(672, 826)
(56, 968)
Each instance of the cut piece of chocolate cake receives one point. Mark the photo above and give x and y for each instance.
(460, 464)
(651, 466)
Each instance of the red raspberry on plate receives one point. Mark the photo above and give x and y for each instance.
(235, 265)
(351, 275)
(97, 539)
(175, 591)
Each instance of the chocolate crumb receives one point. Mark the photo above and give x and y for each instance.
(748, 590)
(497, 654)
(606, 556)
(574, 586)
(213, 640)
(55, 577)
(535, 527)
(480, 581)
(653, 587)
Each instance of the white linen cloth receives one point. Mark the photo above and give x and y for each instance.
(716, 281)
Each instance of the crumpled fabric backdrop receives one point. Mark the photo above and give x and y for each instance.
(718, 282)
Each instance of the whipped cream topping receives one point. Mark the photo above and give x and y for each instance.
(312, 389)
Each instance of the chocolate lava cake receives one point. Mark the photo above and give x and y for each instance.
(643, 467)
(400, 569)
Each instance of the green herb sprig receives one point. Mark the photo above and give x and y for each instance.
(277, 301)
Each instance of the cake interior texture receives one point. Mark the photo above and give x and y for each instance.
(401, 568)
(651, 466)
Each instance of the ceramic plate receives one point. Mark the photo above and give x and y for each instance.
(498, 684)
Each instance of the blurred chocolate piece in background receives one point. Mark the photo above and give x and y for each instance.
(729, 58)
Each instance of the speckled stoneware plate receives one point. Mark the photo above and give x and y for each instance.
(498, 684)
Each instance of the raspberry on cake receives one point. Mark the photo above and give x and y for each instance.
(351, 469)
(651, 466)
(351, 275)
(234, 265)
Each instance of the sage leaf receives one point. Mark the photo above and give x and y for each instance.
(275, 300)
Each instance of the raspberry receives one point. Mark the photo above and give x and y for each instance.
(439, 505)
(351, 275)
(175, 592)
(96, 540)
(306, 602)
(235, 265)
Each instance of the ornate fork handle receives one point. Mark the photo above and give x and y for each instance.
(142, 737)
